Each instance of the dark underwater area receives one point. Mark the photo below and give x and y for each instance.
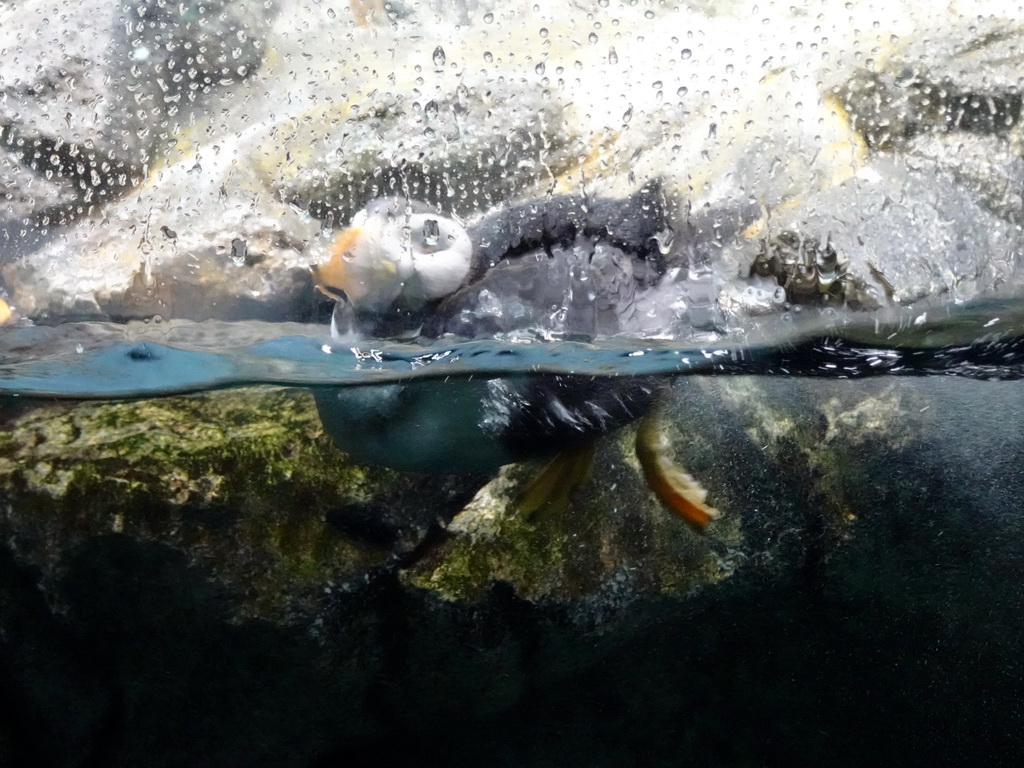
(903, 652)
(898, 642)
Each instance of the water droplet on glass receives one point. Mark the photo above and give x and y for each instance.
(430, 109)
(682, 91)
(657, 84)
(664, 240)
(439, 57)
(488, 18)
(431, 232)
(539, 69)
(686, 53)
(628, 114)
(488, 57)
(543, 32)
(648, 14)
(613, 57)
(331, 14)
(239, 251)
(592, 37)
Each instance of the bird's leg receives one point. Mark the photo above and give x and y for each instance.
(676, 489)
(551, 488)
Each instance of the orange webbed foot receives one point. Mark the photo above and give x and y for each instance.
(552, 487)
(673, 486)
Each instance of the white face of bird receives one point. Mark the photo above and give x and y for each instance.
(388, 253)
(441, 254)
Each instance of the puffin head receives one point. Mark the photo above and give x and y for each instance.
(395, 254)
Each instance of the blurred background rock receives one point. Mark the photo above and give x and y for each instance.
(188, 160)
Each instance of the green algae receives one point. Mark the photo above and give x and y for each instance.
(245, 482)
(775, 467)
(242, 480)
(613, 539)
(819, 447)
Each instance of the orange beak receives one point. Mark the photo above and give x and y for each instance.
(333, 277)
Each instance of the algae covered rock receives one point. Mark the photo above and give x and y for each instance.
(211, 564)
(244, 482)
(248, 486)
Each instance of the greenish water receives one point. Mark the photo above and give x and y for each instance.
(980, 339)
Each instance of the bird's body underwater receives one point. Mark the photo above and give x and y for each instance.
(558, 269)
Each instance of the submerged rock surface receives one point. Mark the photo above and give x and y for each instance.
(211, 564)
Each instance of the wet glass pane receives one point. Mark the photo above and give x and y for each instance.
(621, 380)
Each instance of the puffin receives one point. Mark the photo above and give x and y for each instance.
(564, 267)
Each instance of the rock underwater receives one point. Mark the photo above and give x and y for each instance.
(228, 518)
